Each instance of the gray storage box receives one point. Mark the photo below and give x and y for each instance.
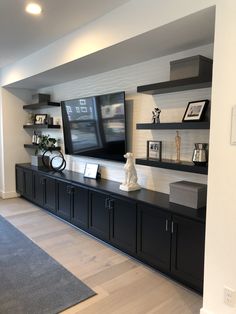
(188, 194)
(191, 67)
(39, 98)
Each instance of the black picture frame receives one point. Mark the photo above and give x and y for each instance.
(154, 150)
(40, 118)
(195, 110)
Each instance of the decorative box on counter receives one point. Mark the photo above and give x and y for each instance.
(188, 194)
(191, 67)
(39, 98)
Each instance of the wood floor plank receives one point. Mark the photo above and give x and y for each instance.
(123, 285)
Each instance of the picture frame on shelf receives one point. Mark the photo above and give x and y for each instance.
(195, 110)
(40, 118)
(91, 171)
(154, 149)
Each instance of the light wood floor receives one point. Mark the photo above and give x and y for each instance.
(123, 285)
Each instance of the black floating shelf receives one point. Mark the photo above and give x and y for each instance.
(178, 125)
(41, 126)
(34, 146)
(42, 105)
(175, 85)
(170, 164)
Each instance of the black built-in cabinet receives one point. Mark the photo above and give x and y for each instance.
(187, 254)
(65, 194)
(154, 237)
(99, 215)
(20, 180)
(50, 197)
(123, 226)
(143, 223)
(79, 206)
(113, 219)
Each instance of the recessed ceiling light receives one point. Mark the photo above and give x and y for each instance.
(33, 8)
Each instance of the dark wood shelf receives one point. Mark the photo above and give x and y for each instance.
(41, 126)
(42, 105)
(175, 85)
(175, 125)
(35, 146)
(171, 164)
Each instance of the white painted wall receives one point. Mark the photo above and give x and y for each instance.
(220, 256)
(129, 20)
(13, 137)
(139, 108)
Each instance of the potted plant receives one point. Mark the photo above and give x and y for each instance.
(45, 142)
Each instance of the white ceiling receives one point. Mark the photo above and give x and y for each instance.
(22, 34)
(191, 31)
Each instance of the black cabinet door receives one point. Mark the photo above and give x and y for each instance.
(154, 237)
(99, 215)
(123, 224)
(50, 194)
(28, 184)
(188, 251)
(79, 209)
(19, 180)
(38, 185)
(64, 200)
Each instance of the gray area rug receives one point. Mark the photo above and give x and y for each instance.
(31, 282)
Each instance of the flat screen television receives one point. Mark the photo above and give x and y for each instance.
(95, 126)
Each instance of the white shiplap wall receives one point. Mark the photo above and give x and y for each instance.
(139, 108)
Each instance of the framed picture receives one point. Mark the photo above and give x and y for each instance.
(195, 110)
(40, 119)
(91, 171)
(154, 150)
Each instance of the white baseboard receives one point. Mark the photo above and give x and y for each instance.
(204, 311)
(10, 194)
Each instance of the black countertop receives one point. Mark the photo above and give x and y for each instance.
(160, 200)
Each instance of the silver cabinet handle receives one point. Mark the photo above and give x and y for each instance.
(166, 224)
(172, 227)
(107, 203)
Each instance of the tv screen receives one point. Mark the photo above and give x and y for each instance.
(95, 126)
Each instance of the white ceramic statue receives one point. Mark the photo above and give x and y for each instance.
(130, 183)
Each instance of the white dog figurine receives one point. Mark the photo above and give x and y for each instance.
(130, 183)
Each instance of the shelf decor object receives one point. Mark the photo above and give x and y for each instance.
(188, 194)
(178, 146)
(39, 98)
(194, 66)
(40, 119)
(91, 171)
(154, 150)
(131, 179)
(195, 110)
(156, 115)
(53, 159)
